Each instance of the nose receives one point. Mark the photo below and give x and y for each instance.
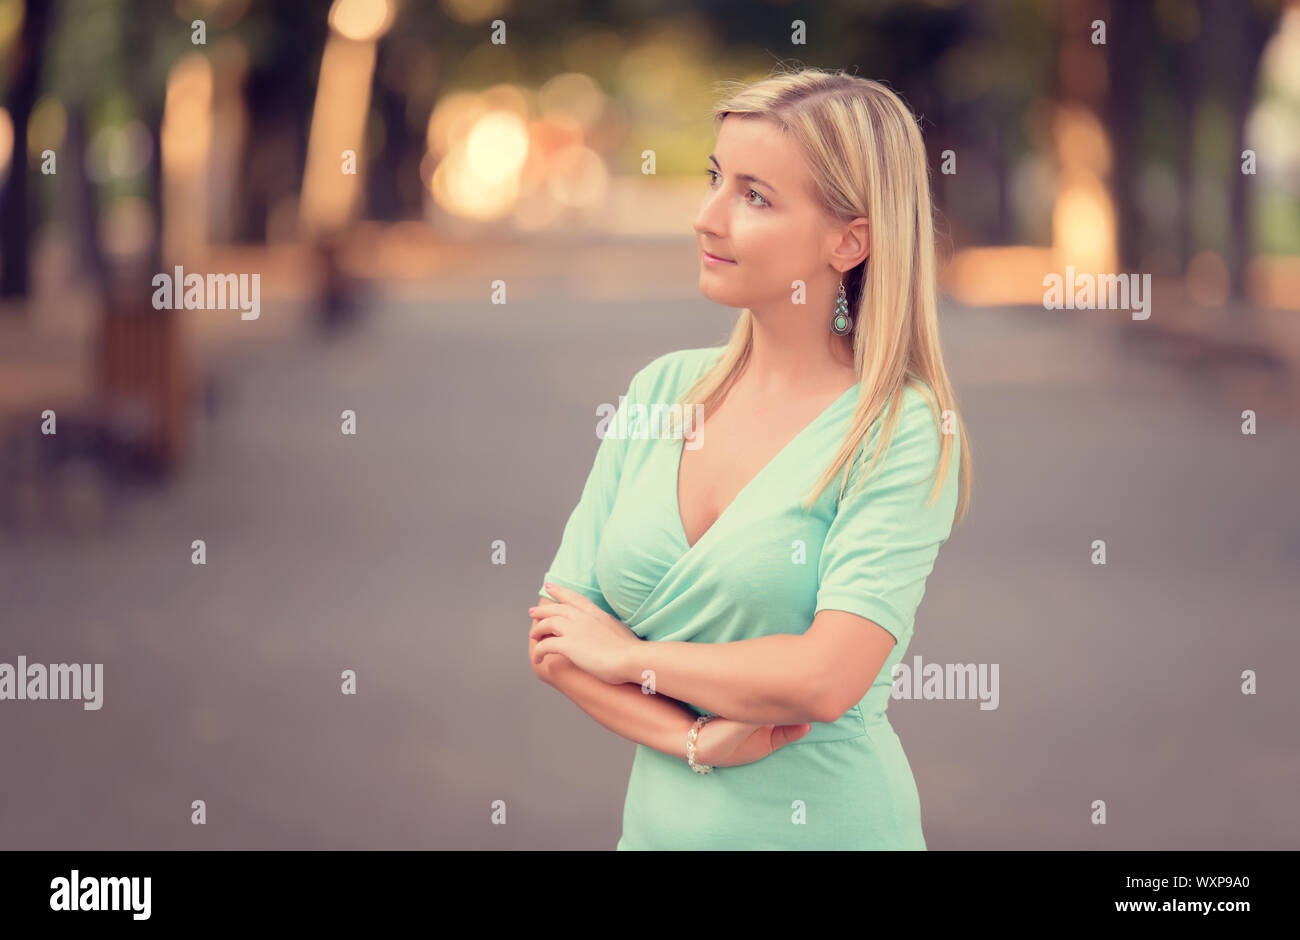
(710, 220)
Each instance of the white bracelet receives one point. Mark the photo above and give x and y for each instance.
(690, 744)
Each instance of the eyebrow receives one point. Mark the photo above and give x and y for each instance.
(744, 176)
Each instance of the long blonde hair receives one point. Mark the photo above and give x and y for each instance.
(867, 160)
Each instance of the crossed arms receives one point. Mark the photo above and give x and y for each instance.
(777, 679)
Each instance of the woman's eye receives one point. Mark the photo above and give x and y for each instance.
(713, 178)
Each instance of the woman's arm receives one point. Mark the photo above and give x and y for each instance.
(656, 721)
(765, 680)
(768, 680)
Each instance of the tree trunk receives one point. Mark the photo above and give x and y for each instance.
(85, 202)
(1128, 34)
(1242, 32)
(16, 223)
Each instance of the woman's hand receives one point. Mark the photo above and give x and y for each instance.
(583, 633)
(724, 742)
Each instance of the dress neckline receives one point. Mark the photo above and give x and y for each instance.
(789, 445)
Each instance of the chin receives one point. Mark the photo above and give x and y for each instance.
(714, 291)
(711, 293)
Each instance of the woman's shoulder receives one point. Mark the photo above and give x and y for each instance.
(918, 435)
(670, 374)
(918, 399)
(921, 423)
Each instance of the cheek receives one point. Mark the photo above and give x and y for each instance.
(774, 248)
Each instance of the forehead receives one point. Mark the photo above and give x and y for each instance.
(758, 146)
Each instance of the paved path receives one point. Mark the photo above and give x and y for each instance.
(1117, 683)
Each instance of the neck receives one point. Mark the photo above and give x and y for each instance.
(794, 353)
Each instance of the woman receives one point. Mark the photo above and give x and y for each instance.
(776, 622)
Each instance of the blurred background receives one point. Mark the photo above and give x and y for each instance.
(556, 152)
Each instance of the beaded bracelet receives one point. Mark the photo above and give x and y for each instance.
(690, 744)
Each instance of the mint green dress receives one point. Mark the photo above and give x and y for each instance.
(765, 566)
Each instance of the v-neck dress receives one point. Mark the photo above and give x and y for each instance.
(765, 566)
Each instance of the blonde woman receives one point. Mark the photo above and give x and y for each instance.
(715, 565)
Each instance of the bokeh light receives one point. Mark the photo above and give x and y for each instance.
(361, 20)
(496, 146)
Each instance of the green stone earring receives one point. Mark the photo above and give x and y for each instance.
(842, 323)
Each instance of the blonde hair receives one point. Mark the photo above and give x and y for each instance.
(867, 159)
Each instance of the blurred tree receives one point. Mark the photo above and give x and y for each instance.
(1201, 48)
(1128, 38)
(17, 222)
(84, 198)
(396, 147)
(1190, 56)
(108, 65)
(146, 83)
(285, 41)
(1241, 31)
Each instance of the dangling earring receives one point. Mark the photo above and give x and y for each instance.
(841, 323)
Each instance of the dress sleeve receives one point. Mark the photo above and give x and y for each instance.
(883, 541)
(574, 565)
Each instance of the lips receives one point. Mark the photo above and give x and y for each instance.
(717, 257)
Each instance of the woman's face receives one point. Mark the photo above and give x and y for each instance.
(760, 215)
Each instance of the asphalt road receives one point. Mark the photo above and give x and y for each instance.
(328, 552)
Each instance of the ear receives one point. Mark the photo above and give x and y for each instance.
(854, 244)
